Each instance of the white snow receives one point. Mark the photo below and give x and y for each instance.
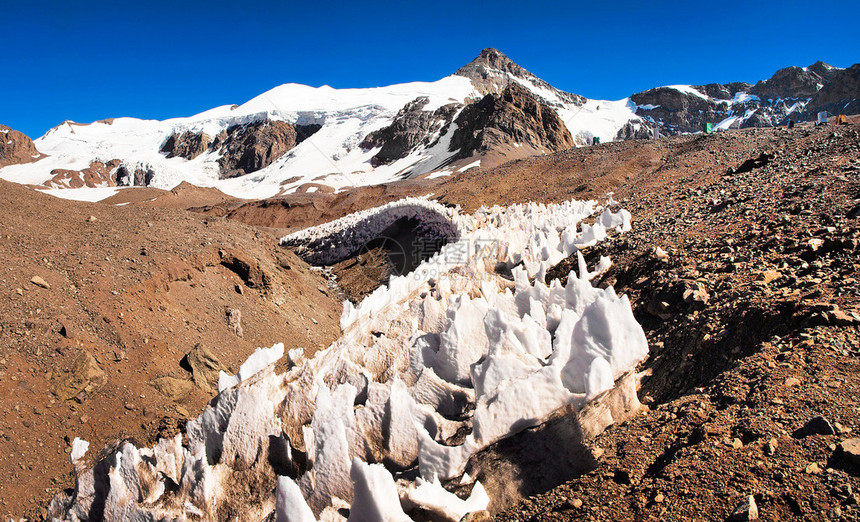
(346, 116)
(470, 166)
(330, 157)
(688, 89)
(83, 194)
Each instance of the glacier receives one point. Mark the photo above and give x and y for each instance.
(430, 372)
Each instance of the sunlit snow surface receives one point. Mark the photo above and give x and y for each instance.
(331, 156)
(451, 346)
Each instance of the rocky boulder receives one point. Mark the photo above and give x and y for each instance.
(513, 116)
(16, 147)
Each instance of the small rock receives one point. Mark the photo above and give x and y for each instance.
(840, 318)
(38, 281)
(817, 425)
(659, 498)
(239, 289)
(792, 381)
(746, 510)
(234, 321)
(177, 390)
(92, 219)
(66, 330)
(813, 469)
(770, 447)
(576, 503)
(661, 254)
(768, 276)
(204, 366)
(19, 291)
(850, 449)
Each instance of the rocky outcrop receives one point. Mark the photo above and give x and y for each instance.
(136, 175)
(514, 116)
(411, 127)
(16, 147)
(249, 148)
(789, 83)
(186, 145)
(725, 91)
(98, 174)
(634, 130)
(243, 148)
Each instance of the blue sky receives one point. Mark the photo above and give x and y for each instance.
(86, 61)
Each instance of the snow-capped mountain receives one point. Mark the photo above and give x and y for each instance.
(300, 138)
(296, 138)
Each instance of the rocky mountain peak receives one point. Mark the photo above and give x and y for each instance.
(491, 60)
(825, 70)
(492, 70)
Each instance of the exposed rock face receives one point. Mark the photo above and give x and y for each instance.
(678, 111)
(411, 127)
(249, 148)
(633, 131)
(791, 83)
(244, 148)
(491, 72)
(794, 93)
(98, 174)
(841, 95)
(722, 91)
(139, 175)
(186, 145)
(16, 147)
(513, 116)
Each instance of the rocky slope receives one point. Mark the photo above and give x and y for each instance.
(117, 319)
(750, 307)
(752, 310)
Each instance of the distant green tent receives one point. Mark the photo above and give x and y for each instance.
(596, 140)
(708, 128)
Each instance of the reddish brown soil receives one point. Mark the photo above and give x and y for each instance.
(136, 288)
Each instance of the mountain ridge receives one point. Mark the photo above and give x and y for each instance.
(296, 138)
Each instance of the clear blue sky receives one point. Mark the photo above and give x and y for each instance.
(86, 61)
